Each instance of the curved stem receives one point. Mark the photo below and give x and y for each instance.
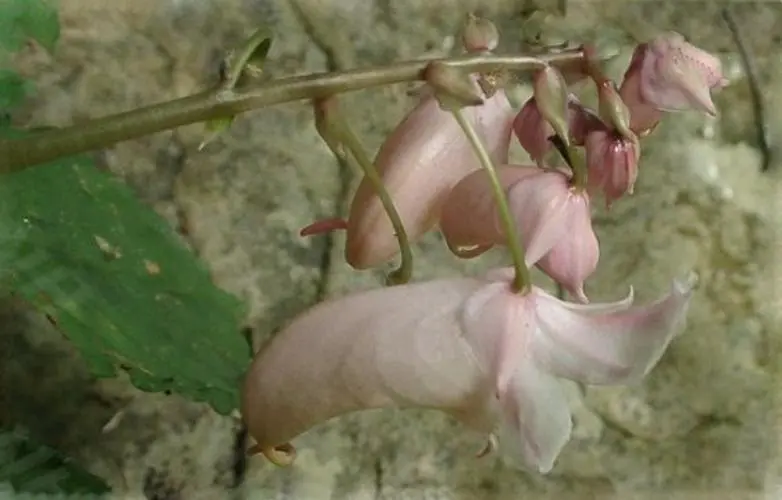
(522, 281)
(401, 275)
(335, 130)
(17, 154)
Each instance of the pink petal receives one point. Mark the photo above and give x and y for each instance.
(611, 348)
(574, 258)
(497, 324)
(397, 346)
(644, 117)
(536, 422)
(469, 215)
(535, 418)
(420, 162)
(533, 131)
(677, 75)
(539, 204)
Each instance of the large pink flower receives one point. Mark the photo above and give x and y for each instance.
(466, 346)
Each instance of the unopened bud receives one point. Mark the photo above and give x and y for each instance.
(453, 85)
(479, 34)
(551, 95)
(613, 110)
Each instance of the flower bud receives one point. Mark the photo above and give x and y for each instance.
(613, 110)
(533, 131)
(612, 163)
(479, 34)
(551, 96)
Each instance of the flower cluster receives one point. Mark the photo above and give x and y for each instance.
(487, 350)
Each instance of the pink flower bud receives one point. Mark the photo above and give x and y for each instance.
(612, 163)
(533, 131)
(669, 74)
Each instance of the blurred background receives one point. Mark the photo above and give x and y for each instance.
(705, 424)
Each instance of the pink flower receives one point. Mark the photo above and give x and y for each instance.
(468, 347)
(420, 162)
(669, 74)
(554, 221)
(533, 131)
(612, 163)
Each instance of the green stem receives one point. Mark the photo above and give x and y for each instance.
(17, 154)
(578, 166)
(522, 281)
(403, 274)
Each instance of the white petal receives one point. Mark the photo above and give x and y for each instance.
(597, 308)
(614, 348)
(498, 325)
(536, 422)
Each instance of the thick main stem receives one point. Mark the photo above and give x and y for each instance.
(17, 154)
(521, 281)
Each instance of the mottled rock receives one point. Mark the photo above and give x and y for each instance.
(703, 423)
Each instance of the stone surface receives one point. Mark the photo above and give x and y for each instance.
(706, 420)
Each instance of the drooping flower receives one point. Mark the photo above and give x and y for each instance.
(533, 131)
(420, 162)
(669, 74)
(550, 214)
(612, 163)
(469, 347)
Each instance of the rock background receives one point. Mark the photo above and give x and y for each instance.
(704, 425)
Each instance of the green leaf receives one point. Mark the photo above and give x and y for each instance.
(31, 468)
(13, 88)
(79, 245)
(22, 20)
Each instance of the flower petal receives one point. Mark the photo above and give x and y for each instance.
(539, 204)
(536, 422)
(574, 258)
(610, 348)
(397, 346)
(498, 324)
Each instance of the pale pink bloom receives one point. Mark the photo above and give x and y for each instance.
(553, 219)
(468, 347)
(612, 164)
(669, 74)
(420, 162)
(533, 131)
